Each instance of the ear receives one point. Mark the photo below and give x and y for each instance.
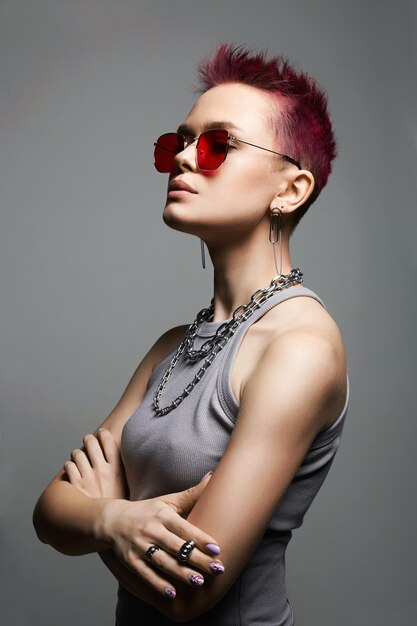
(298, 188)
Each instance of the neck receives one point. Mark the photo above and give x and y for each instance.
(242, 267)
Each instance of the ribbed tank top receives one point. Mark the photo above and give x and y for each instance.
(164, 454)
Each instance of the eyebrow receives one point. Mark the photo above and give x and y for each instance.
(184, 129)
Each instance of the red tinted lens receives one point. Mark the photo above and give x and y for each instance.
(212, 149)
(166, 148)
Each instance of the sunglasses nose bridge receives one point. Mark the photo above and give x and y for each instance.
(187, 143)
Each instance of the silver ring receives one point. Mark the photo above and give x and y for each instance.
(185, 550)
(150, 551)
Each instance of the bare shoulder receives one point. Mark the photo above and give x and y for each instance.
(312, 329)
(303, 326)
(136, 388)
(166, 343)
(306, 314)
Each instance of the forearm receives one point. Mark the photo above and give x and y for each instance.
(69, 520)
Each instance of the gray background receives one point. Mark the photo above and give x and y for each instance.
(90, 275)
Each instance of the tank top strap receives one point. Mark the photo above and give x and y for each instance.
(208, 329)
(224, 389)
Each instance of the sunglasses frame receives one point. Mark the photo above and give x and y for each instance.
(230, 138)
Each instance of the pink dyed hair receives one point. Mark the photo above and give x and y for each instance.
(299, 116)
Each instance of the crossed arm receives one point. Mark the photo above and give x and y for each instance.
(294, 392)
(287, 402)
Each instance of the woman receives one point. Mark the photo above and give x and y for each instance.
(255, 392)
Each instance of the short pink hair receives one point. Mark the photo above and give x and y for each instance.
(299, 117)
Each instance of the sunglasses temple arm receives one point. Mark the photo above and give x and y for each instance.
(273, 152)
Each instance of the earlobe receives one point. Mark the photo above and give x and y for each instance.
(279, 201)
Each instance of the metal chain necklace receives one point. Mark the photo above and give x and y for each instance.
(225, 331)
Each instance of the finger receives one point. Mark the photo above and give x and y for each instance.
(81, 460)
(184, 501)
(181, 571)
(174, 531)
(185, 530)
(94, 451)
(72, 471)
(149, 575)
(109, 446)
(171, 545)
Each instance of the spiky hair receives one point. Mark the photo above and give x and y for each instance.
(299, 116)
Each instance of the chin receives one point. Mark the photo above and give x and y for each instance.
(178, 217)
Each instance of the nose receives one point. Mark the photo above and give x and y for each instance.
(186, 159)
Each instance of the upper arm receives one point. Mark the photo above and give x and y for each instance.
(281, 412)
(136, 389)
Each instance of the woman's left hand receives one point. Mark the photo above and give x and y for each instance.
(98, 469)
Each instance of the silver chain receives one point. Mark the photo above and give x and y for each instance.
(212, 346)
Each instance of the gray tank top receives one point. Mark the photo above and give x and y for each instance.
(173, 452)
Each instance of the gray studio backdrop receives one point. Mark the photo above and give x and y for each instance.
(90, 275)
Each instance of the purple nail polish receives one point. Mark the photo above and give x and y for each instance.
(216, 568)
(211, 547)
(205, 476)
(196, 580)
(170, 592)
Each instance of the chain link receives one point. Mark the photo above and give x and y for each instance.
(212, 346)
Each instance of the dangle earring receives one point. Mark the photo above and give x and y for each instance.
(275, 234)
(203, 257)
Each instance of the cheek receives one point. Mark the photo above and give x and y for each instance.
(245, 194)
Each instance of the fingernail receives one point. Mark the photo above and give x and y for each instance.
(205, 476)
(216, 568)
(100, 429)
(196, 580)
(169, 592)
(211, 547)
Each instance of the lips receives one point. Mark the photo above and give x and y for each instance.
(180, 185)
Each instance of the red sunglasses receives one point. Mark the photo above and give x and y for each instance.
(211, 149)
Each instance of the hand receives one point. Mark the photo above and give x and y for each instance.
(98, 471)
(132, 527)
